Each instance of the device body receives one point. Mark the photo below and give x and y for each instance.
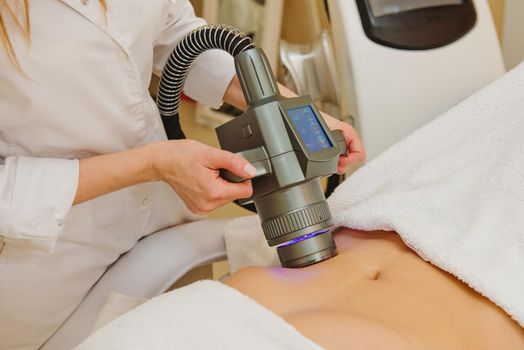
(402, 63)
(289, 143)
(285, 139)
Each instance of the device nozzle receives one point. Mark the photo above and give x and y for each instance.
(307, 250)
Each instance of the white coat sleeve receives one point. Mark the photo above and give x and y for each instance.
(36, 195)
(211, 72)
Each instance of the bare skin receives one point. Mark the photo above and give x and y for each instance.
(378, 294)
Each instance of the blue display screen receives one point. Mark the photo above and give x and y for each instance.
(309, 128)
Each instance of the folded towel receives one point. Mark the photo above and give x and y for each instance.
(203, 315)
(246, 244)
(453, 190)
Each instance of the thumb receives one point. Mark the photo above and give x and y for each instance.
(233, 163)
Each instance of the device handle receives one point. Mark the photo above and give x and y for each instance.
(341, 141)
(256, 77)
(260, 160)
(257, 157)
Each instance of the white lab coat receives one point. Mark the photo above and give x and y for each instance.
(85, 94)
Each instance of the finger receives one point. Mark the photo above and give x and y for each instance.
(196, 208)
(235, 164)
(356, 152)
(355, 149)
(232, 191)
(206, 205)
(343, 164)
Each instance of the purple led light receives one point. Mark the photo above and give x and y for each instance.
(302, 238)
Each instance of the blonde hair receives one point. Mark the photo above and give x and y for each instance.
(18, 13)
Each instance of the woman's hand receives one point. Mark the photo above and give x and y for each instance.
(355, 153)
(192, 168)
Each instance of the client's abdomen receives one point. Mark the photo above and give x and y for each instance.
(378, 294)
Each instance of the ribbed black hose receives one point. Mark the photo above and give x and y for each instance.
(175, 71)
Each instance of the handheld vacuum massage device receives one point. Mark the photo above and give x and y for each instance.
(286, 140)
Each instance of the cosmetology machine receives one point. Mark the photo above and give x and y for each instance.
(285, 139)
(400, 63)
(310, 69)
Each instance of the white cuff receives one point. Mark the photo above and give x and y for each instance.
(36, 196)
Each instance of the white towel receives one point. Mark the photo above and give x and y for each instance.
(203, 315)
(453, 190)
(246, 244)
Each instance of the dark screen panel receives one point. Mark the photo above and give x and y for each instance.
(389, 7)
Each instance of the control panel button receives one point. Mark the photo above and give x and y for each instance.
(246, 131)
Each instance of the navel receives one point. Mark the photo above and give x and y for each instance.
(374, 275)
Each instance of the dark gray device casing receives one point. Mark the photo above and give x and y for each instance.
(286, 189)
